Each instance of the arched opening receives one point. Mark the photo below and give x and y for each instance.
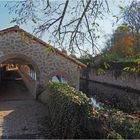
(18, 78)
(57, 78)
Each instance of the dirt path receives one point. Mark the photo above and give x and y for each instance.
(20, 114)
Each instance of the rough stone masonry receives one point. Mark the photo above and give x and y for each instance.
(21, 47)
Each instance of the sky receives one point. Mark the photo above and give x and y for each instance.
(5, 18)
(106, 25)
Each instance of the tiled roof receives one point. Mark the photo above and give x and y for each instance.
(17, 29)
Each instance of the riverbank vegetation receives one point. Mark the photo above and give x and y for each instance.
(122, 48)
(73, 115)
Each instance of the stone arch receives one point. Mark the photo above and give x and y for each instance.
(60, 74)
(45, 59)
(33, 64)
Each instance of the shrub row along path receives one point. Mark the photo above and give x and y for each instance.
(20, 114)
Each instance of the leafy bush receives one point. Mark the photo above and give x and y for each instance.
(125, 125)
(72, 115)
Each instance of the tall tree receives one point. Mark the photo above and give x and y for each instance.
(71, 23)
(124, 46)
(131, 16)
(114, 38)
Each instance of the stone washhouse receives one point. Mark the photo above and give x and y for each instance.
(36, 60)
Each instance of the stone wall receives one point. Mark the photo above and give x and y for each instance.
(117, 89)
(118, 78)
(45, 61)
(29, 82)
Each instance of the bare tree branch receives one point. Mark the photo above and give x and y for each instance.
(62, 17)
(71, 24)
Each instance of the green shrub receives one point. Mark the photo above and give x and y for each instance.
(127, 126)
(72, 115)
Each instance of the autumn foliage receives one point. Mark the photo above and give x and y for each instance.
(124, 47)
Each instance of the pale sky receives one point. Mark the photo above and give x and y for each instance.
(106, 25)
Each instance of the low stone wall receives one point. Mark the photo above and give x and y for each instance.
(115, 88)
(118, 78)
(29, 82)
